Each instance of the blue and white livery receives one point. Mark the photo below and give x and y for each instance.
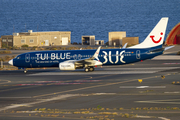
(88, 59)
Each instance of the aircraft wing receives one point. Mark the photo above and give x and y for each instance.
(83, 61)
(88, 61)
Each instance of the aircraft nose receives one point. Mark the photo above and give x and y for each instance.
(11, 62)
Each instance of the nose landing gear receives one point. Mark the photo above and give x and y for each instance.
(25, 71)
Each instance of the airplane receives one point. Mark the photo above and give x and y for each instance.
(89, 59)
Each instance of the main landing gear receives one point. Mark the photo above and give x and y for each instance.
(89, 69)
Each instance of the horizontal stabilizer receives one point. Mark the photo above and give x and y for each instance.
(166, 48)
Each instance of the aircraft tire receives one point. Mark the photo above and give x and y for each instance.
(91, 69)
(25, 71)
(86, 69)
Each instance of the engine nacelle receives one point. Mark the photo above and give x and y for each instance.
(66, 66)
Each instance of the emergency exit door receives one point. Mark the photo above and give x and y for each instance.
(138, 54)
(27, 58)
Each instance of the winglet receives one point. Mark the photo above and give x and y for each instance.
(97, 53)
(125, 45)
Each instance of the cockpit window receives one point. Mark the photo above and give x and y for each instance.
(18, 57)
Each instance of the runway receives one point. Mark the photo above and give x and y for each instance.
(144, 90)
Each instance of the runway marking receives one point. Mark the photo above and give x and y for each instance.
(16, 88)
(170, 63)
(66, 96)
(40, 101)
(91, 87)
(163, 118)
(48, 84)
(171, 92)
(8, 81)
(142, 87)
(110, 71)
(92, 73)
(36, 86)
(138, 116)
(14, 97)
(151, 68)
(72, 82)
(48, 81)
(161, 101)
(103, 94)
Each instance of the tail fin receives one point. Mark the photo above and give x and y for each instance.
(156, 36)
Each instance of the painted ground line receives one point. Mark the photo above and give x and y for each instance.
(163, 118)
(94, 73)
(5, 81)
(14, 97)
(90, 87)
(151, 68)
(171, 92)
(37, 102)
(170, 63)
(142, 87)
(169, 101)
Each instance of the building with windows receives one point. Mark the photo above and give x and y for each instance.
(88, 40)
(115, 38)
(118, 38)
(99, 42)
(30, 38)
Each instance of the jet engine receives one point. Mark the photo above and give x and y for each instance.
(66, 66)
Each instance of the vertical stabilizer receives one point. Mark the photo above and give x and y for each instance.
(156, 36)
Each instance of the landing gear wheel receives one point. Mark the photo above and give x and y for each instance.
(86, 69)
(25, 71)
(91, 69)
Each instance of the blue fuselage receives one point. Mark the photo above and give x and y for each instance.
(106, 56)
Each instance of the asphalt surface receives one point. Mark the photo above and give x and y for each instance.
(144, 90)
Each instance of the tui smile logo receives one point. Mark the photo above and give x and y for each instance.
(152, 37)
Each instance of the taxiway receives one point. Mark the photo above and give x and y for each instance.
(148, 89)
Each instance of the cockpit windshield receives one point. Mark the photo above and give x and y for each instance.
(18, 57)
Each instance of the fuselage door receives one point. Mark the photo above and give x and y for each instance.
(27, 58)
(46, 42)
(138, 54)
